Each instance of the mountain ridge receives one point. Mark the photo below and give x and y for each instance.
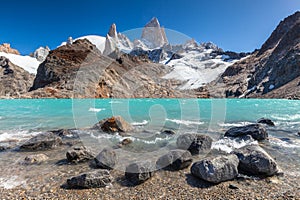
(165, 70)
(266, 71)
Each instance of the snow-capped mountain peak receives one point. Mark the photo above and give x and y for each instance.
(193, 63)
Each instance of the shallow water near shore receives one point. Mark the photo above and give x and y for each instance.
(22, 119)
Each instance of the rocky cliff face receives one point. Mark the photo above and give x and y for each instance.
(271, 72)
(59, 69)
(5, 47)
(14, 81)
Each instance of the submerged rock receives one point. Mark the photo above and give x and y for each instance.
(66, 133)
(139, 172)
(168, 132)
(113, 125)
(266, 121)
(195, 143)
(229, 144)
(79, 154)
(256, 161)
(35, 159)
(106, 159)
(43, 141)
(216, 169)
(257, 131)
(95, 179)
(175, 160)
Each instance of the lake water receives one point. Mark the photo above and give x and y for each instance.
(27, 115)
(24, 118)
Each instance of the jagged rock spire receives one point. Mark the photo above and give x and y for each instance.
(153, 23)
(113, 31)
(154, 35)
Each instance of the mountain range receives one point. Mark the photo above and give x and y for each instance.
(115, 66)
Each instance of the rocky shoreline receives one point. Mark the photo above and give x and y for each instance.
(57, 164)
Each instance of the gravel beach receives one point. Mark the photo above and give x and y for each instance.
(163, 185)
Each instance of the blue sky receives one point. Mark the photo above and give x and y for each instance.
(237, 25)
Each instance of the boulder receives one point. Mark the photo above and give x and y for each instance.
(113, 125)
(43, 141)
(255, 161)
(139, 172)
(195, 143)
(266, 121)
(175, 160)
(79, 154)
(125, 142)
(257, 131)
(35, 159)
(216, 169)
(95, 179)
(106, 159)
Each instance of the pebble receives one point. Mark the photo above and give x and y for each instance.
(234, 187)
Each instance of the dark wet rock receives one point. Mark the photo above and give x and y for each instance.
(139, 172)
(95, 179)
(35, 159)
(113, 125)
(256, 161)
(168, 132)
(175, 160)
(6, 146)
(257, 131)
(66, 133)
(216, 169)
(43, 141)
(79, 155)
(106, 159)
(125, 142)
(195, 143)
(3, 148)
(266, 121)
(299, 133)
